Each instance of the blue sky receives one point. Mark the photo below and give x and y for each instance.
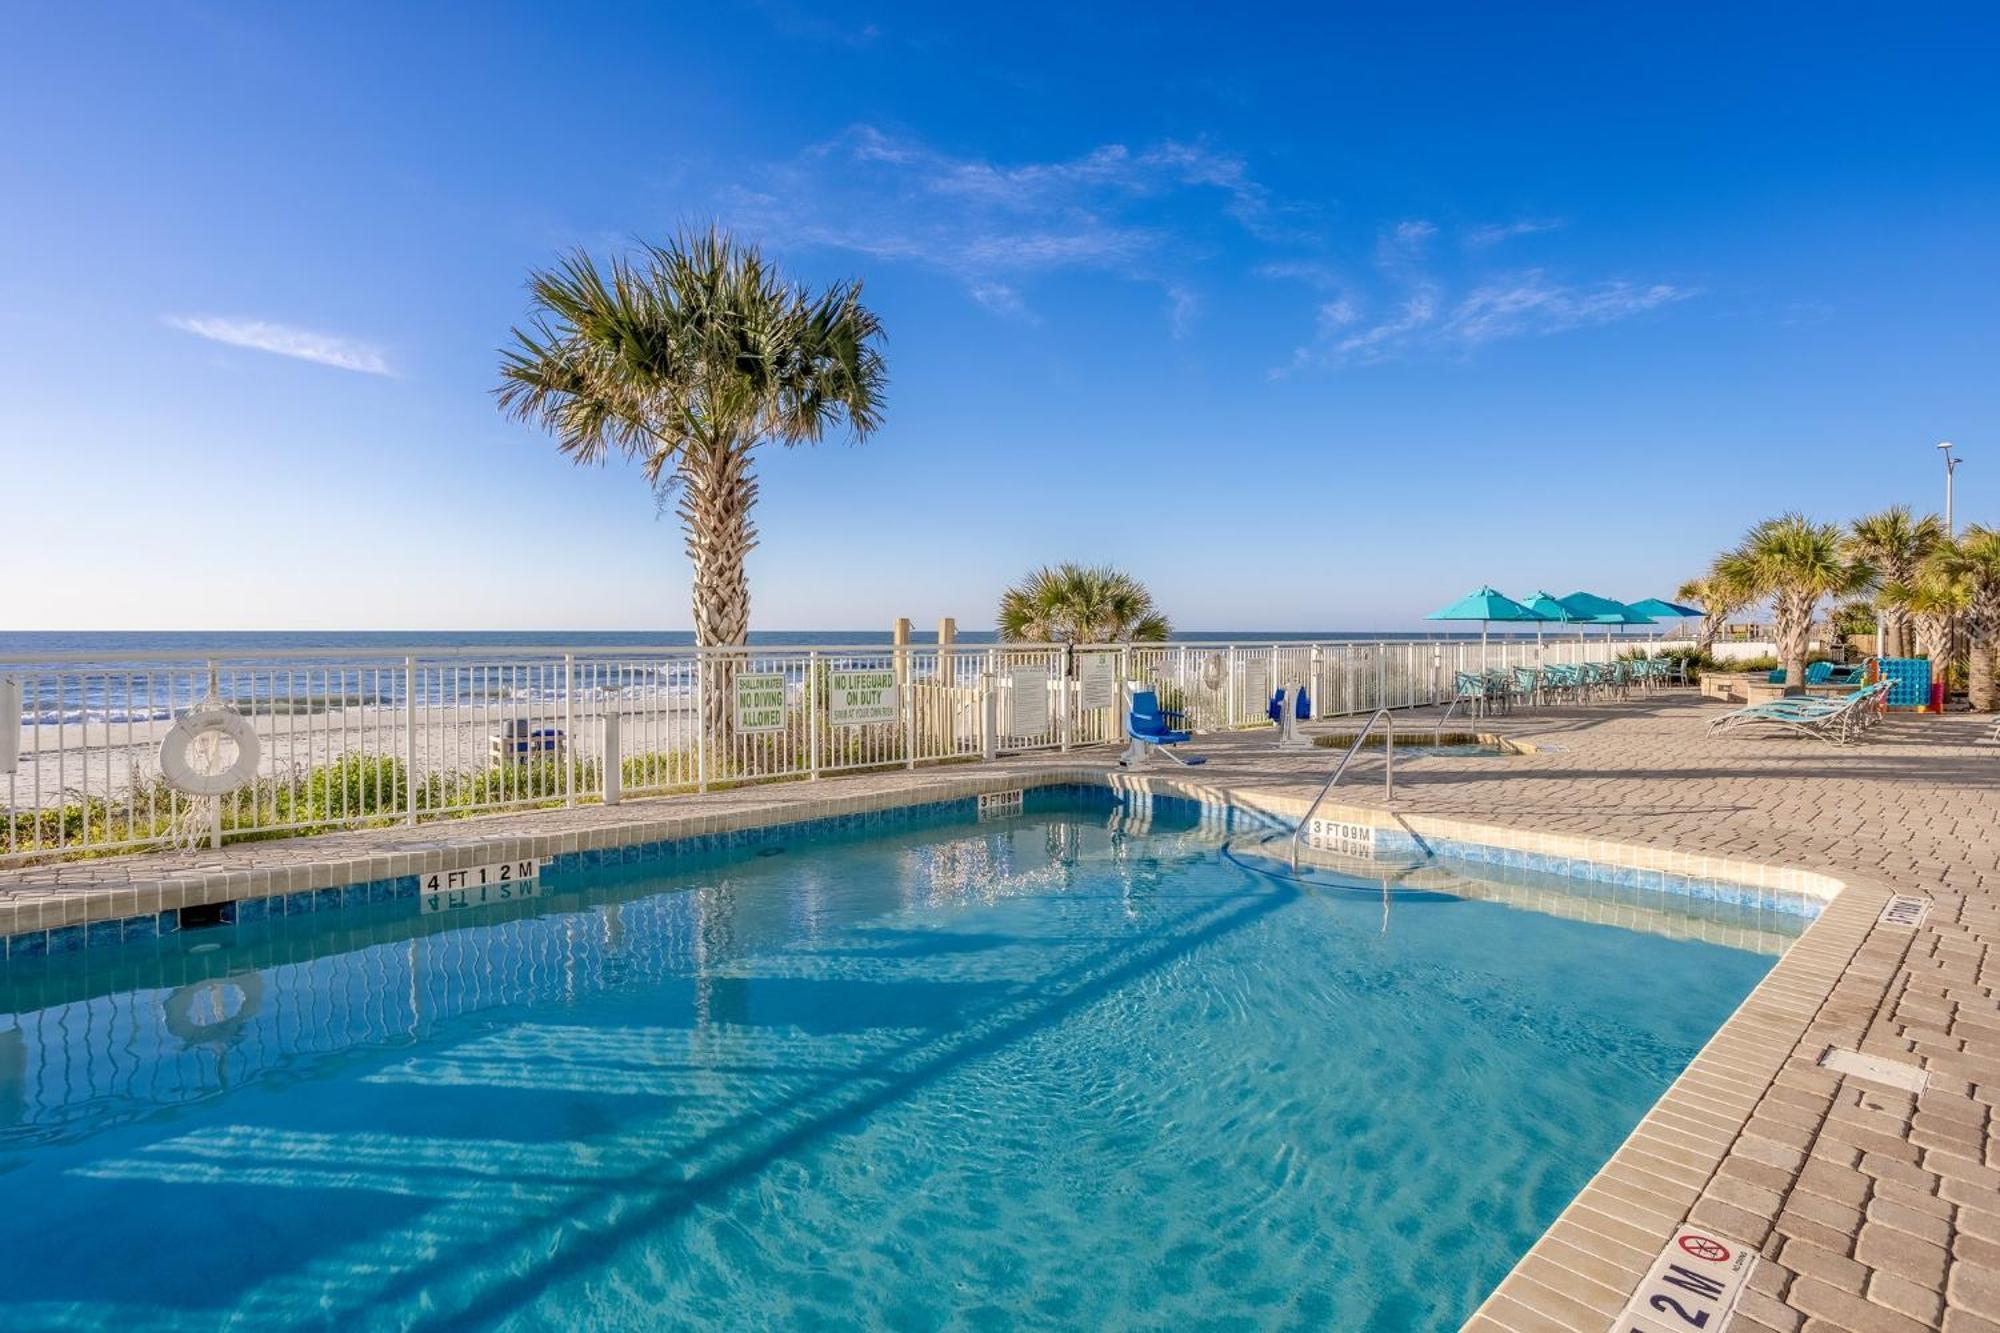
(1311, 322)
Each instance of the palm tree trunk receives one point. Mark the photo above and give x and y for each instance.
(1792, 616)
(717, 490)
(1982, 627)
(1711, 626)
(1934, 640)
(1980, 684)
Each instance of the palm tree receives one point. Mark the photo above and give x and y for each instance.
(1071, 603)
(1972, 561)
(1719, 600)
(687, 357)
(1796, 563)
(1933, 604)
(1894, 545)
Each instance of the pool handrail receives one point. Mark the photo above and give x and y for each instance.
(1354, 747)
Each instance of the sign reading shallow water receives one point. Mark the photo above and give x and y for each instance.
(476, 886)
(858, 698)
(1098, 674)
(760, 702)
(1694, 1284)
(1030, 699)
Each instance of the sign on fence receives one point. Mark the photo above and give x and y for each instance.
(1099, 687)
(10, 725)
(760, 702)
(857, 698)
(1029, 693)
(1256, 684)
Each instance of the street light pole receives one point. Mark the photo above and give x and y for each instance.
(1950, 466)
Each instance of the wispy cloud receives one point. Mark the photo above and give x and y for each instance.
(323, 349)
(1182, 308)
(994, 225)
(1528, 303)
(1160, 214)
(1408, 304)
(1493, 233)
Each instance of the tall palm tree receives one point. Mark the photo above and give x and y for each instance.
(1894, 544)
(1071, 603)
(1719, 600)
(1973, 562)
(687, 356)
(1796, 563)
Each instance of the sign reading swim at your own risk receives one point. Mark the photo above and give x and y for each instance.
(760, 702)
(857, 698)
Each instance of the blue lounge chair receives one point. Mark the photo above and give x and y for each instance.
(1151, 730)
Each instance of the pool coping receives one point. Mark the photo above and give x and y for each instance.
(1577, 1275)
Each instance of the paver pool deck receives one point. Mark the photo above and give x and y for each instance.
(1872, 1208)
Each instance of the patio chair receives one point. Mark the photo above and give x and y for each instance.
(1150, 730)
(1836, 721)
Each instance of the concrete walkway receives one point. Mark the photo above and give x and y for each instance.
(1872, 1208)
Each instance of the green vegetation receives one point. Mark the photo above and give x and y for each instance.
(1938, 595)
(1072, 603)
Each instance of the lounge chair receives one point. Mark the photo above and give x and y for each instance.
(1151, 730)
(1836, 721)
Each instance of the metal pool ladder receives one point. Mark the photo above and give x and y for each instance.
(1383, 716)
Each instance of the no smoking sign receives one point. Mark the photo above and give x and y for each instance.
(1693, 1285)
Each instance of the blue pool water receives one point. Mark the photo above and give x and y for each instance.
(1056, 1070)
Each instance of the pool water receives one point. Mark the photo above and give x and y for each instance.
(1063, 1069)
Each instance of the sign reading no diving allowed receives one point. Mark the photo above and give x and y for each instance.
(760, 702)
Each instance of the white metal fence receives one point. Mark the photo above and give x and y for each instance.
(350, 738)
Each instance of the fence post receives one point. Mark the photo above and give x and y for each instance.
(906, 678)
(1229, 687)
(410, 740)
(989, 717)
(612, 757)
(812, 713)
(1062, 697)
(569, 730)
(215, 805)
(1119, 704)
(700, 721)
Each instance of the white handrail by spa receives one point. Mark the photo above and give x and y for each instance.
(1381, 715)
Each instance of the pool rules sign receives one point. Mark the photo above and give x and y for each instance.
(1694, 1284)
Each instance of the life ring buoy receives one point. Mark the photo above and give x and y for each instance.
(219, 1022)
(1214, 672)
(192, 726)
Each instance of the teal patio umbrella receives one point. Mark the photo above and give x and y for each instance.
(1659, 608)
(1588, 606)
(1486, 606)
(1548, 608)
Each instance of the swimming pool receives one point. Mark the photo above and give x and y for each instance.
(1072, 1067)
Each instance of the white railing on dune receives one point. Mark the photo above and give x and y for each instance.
(347, 738)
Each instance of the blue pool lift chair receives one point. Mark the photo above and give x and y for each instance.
(1151, 730)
